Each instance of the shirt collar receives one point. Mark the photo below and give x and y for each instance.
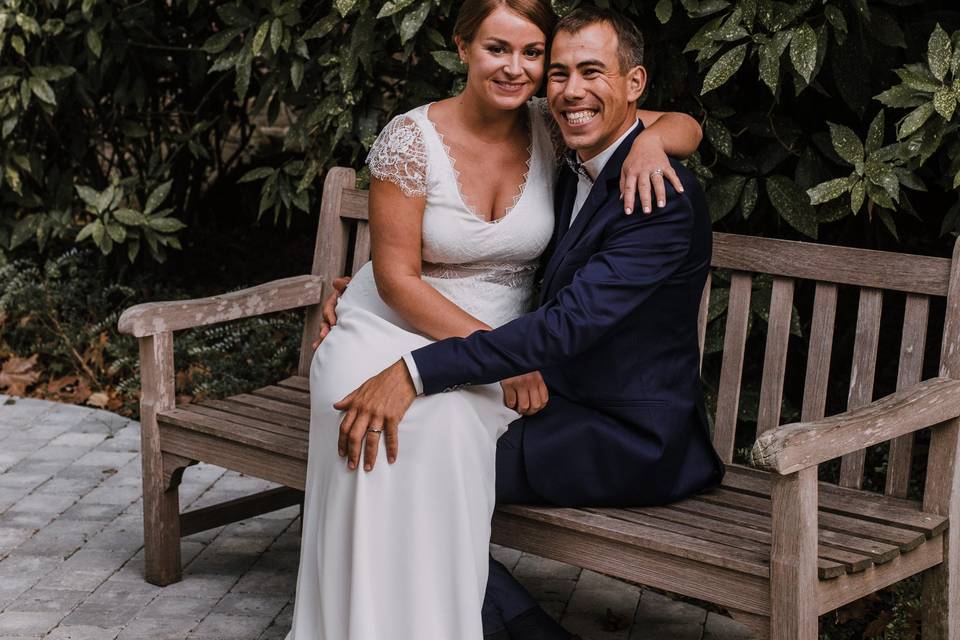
(595, 165)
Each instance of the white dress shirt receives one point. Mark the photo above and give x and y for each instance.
(594, 166)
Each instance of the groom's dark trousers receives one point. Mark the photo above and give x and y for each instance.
(615, 337)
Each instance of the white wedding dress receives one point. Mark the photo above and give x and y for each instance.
(400, 553)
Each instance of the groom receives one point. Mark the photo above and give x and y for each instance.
(615, 336)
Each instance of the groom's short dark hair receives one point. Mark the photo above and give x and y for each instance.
(629, 37)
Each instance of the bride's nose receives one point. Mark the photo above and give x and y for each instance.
(512, 67)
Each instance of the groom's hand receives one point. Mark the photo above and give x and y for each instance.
(526, 394)
(374, 410)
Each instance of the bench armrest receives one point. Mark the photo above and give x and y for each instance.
(801, 445)
(152, 318)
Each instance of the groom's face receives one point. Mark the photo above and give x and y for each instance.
(591, 96)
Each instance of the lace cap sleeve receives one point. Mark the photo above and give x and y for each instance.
(541, 108)
(399, 155)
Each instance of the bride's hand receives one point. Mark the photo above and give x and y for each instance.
(644, 171)
(372, 411)
(526, 394)
(330, 308)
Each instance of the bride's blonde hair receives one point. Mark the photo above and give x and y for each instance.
(473, 12)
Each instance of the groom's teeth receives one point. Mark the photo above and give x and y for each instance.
(579, 117)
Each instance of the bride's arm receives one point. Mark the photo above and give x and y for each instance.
(664, 134)
(395, 241)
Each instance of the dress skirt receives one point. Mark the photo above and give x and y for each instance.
(400, 552)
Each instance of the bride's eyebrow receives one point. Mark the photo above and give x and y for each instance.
(504, 43)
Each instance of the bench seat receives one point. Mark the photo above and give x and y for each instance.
(861, 534)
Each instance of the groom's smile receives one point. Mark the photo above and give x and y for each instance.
(591, 96)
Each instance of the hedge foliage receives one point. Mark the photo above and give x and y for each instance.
(116, 118)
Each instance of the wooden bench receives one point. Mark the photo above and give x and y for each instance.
(775, 547)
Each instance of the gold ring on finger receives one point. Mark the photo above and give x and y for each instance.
(377, 430)
(657, 172)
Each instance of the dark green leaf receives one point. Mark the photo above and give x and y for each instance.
(748, 199)
(42, 90)
(449, 60)
(394, 6)
(857, 194)
(846, 143)
(939, 52)
(94, 43)
(803, 51)
(792, 204)
(219, 41)
(945, 101)
(344, 6)
(260, 37)
(157, 197)
(724, 68)
(664, 11)
(770, 53)
(719, 136)
(412, 21)
(166, 225)
(276, 34)
(885, 29)
(901, 96)
(915, 120)
(723, 195)
(830, 190)
(257, 174)
(875, 133)
(837, 20)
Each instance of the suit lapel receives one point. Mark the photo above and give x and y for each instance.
(564, 238)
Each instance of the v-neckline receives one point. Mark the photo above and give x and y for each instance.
(451, 161)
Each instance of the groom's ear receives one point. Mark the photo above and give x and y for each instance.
(636, 83)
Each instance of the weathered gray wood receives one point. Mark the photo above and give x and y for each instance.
(152, 318)
(238, 509)
(850, 587)
(702, 316)
(912, 342)
(246, 459)
(161, 502)
(267, 404)
(273, 417)
(775, 354)
(725, 587)
(907, 539)
(361, 247)
(861, 375)
(294, 447)
(841, 265)
(804, 444)
(793, 568)
(288, 396)
(758, 625)
(940, 591)
(296, 382)
(868, 505)
(818, 357)
(734, 342)
(330, 254)
(356, 204)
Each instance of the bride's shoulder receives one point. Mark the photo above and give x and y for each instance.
(399, 154)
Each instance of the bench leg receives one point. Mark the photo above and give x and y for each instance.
(940, 610)
(161, 530)
(161, 499)
(793, 560)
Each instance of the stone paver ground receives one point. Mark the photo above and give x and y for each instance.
(71, 554)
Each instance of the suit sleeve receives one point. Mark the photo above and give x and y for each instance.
(639, 254)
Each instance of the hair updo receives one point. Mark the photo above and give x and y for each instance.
(474, 12)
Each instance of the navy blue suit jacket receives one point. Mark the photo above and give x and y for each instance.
(615, 338)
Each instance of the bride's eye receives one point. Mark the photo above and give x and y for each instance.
(533, 53)
(495, 49)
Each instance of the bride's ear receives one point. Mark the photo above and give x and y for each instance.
(461, 48)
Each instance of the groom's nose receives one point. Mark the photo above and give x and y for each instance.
(573, 88)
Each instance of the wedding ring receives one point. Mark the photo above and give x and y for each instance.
(657, 172)
(375, 430)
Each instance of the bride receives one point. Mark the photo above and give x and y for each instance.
(461, 208)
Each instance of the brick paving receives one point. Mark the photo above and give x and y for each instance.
(71, 556)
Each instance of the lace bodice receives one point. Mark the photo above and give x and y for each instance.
(486, 268)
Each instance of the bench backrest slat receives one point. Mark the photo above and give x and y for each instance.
(775, 355)
(913, 341)
(821, 348)
(842, 265)
(702, 316)
(731, 370)
(862, 375)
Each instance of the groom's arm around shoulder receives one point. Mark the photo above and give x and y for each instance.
(636, 256)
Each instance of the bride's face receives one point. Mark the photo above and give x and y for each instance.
(505, 59)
